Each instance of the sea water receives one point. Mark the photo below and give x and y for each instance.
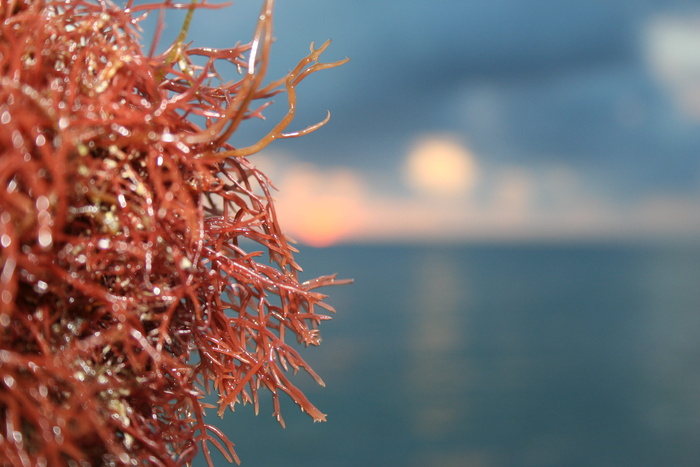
(495, 356)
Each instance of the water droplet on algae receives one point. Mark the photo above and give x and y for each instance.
(9, 381)
(45, 238)
(42, 203)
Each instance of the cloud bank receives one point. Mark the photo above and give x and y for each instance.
(478, 202)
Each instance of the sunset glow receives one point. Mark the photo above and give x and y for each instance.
(320, 208)
(440, 166)
(320, 225)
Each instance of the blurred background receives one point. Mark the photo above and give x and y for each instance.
(515, 188)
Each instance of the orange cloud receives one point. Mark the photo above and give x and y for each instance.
(320, 207)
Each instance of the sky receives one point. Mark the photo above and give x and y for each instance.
(482, 120)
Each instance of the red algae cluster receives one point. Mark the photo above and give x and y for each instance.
(142, 264)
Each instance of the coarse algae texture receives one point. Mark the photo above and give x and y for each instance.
(142, 264)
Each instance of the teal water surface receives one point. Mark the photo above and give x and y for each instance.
(496, 356)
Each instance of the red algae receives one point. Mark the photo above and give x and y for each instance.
(128, 286)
